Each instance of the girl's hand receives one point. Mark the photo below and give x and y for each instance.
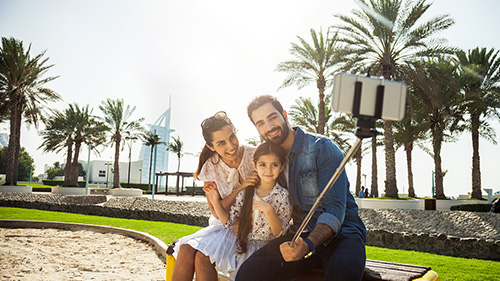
(262, 205)
(251, 180)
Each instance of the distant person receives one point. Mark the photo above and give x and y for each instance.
(361, 192)
(367, 194)
(226, 166)
(263, 211)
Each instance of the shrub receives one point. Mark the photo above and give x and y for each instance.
(472, 207)
(60, 183)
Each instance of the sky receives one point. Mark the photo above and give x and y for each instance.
(215, 55)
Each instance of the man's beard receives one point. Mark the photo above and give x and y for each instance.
(281, 137)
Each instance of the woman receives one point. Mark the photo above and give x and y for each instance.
(226, 166)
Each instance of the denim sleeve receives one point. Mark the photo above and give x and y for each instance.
(334, 202)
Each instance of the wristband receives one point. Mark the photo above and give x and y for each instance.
(312, 249)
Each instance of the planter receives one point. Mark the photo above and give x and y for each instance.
(68, 190)
(387, 204)
(16, 188)
(125, 192)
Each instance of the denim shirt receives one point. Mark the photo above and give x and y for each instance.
(312, 161)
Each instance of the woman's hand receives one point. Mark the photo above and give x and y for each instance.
(262, 205)
(251, 180)
(211, 191)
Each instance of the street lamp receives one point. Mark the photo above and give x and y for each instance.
(88, 140)
(130, 139)
(364, 175)
(107, 171)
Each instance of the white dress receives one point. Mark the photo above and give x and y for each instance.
(217, 241)
(261, 230)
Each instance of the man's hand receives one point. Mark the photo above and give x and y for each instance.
(294, 251)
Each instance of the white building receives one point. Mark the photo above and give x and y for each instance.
(101, 172)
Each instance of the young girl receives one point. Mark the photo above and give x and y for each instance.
(224, 166)
(262, 211)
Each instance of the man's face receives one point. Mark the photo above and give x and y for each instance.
(270, 123)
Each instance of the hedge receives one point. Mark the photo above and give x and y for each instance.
(60, 183)
(472, 207)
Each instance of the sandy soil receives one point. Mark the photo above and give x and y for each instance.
(54, 254)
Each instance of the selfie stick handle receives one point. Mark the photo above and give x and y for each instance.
(333, 179)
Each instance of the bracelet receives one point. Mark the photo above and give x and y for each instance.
(312, 249)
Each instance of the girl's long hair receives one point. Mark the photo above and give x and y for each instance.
(207, 153)
(245, 219)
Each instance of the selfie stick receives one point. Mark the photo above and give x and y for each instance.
(366, 128)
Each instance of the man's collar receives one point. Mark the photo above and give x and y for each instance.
(298, 141)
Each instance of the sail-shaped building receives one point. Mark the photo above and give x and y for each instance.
(162, 128)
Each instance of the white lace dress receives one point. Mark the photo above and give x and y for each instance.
(217, 241)
(261, 230)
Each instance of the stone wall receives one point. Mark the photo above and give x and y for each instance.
(453, 233)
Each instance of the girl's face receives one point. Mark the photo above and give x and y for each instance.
(225, 143)
(268, 167)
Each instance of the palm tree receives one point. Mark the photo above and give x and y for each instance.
(22, 92)
(480, 83)
(304, 113)
(150, 139)
(441, 115)
(176, 146)
(408, 132)
(384, 34)
(313, 63)
(68, 130)
(116, 116)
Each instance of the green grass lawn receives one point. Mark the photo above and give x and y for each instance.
(448, 268)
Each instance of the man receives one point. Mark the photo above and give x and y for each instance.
(335, 235)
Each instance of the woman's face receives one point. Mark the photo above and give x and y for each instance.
(225, 143)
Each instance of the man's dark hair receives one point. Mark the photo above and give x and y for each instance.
(260, 101)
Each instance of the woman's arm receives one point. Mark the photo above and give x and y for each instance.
(206, 187)
(252, 179)
(213, 196)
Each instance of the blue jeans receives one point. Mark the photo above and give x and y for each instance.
(343, 259)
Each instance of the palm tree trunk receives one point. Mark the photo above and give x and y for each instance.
(358, 157)
(67, 168)
(178, 164)
(409, 149)
(320, 83)
(476, 171)
(74, 167)
(374, 186)
(12, 168)
(391, 189)
(116, 176)
(437, 139)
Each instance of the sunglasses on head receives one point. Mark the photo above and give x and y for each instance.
(209, 122)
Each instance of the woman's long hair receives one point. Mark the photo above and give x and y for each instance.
(245, 219)
(206, 153)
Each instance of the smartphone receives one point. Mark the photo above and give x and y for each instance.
(390, 105)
